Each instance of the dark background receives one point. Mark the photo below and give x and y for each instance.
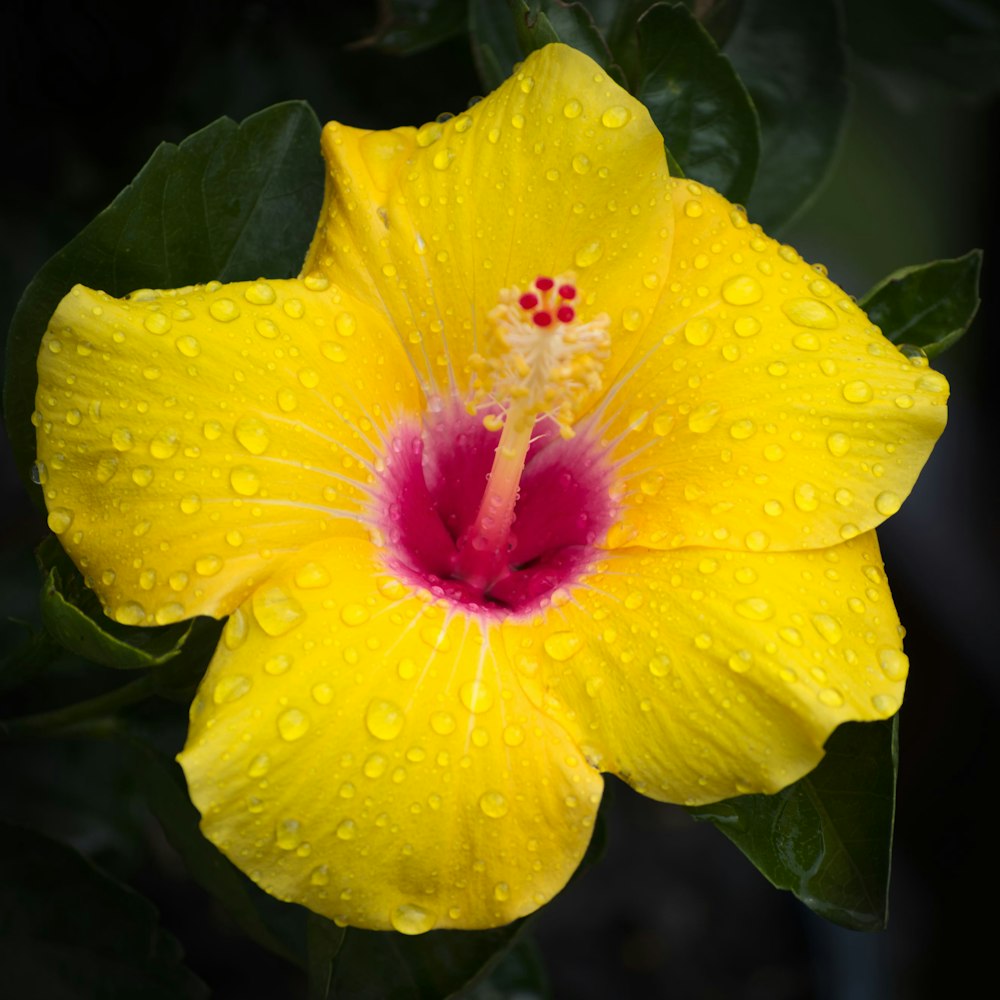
(673, 910)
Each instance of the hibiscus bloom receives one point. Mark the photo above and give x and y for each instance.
(547, 465)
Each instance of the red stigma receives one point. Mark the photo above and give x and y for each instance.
(528, 301)
(542, 318)
(565, 314)
(567, 292)
(543, 284)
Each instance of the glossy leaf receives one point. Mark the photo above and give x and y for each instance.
(408, 26)
(503, 33)
(230, 202)
(71, 930)
(792, 58)
(279, 927)
(697, 101)
(954, 44)
(928, 305)
(828, 837)
(372, 965)
(75, 630)
(519, 975)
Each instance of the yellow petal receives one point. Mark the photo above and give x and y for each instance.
(763, 410)
(356, 748)
(559, 170)
(190, 440)
(700, 674)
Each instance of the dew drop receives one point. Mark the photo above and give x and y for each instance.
(858, 391)
(347, 829)
(312, 576)
(561, 646)
(276, 611)
(252, 433)
(384, 719)
(230, 689)
(121, 439)
(59, 519)
(887, 503)
(476, 696)
(412, 919)
(259, 293)
(224, 310)
(810, 313)
(244, 481)
(698, 331)
(207, 565)
(704, 417)
(572, 108)
(742, 290)
(493, 804)
(615, 117)
(828, 627)
(895, 664)
(293, 724)
(755, 609)
(588, 254)
(130, 613)
(443, 723)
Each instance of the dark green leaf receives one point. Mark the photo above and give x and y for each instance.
(928, 305)
(408, 26)
(69, 930)
(791, 57)
(697, 101)
(91, 637)
(324, 939)
(519, 975)
(373, 965)
(494, 38)
(503, 33)
(230, 202)
(828, 837)
(279, 927)
(954, 44)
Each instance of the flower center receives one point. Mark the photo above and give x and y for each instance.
(497, 512)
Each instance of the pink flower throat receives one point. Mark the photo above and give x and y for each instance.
(431, 493)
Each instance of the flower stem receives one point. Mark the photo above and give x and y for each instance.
(44, 723)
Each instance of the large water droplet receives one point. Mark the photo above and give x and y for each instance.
(384, 719)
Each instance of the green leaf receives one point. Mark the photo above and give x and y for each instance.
(372, 965)
(503, 33)
(928, 305)
(519, 974)
(954, 44)
(279, 927)
(230, 202)
(697, 101)
(409, 26)
(324, 939)
(92, 638)
(70, 930)
(828, 837)
(792, 58)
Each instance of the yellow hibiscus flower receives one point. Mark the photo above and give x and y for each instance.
(547, 465)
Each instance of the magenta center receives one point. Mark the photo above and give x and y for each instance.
(432, 488)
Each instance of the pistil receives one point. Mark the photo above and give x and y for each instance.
(546, 364)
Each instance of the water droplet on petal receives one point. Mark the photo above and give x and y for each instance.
(742, 290)
(476, 696)
(561, 646)
(412, 919)
(384, 719)
(244, 481)
(493, 804)
(293, 724)
(276, 611)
